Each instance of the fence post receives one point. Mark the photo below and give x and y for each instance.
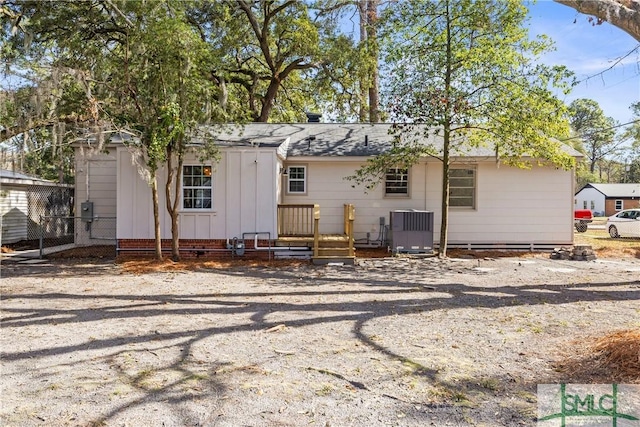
(316, 230)
(41, 236)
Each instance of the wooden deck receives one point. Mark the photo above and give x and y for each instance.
(326, 247)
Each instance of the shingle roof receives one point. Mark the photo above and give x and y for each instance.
(8, 177)
(330, 139)
(617, 190)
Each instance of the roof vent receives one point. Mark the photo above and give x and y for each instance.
(313, 117)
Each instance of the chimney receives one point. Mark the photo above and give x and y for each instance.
(313, 117)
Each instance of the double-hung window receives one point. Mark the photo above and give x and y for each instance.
(197, 185)
(297, 179)
(462, 187)
(618, 205)
(396, 182)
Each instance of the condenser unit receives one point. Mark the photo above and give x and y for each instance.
(411, 231)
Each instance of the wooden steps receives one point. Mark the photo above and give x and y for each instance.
(294, 231)
(334, 248)
(331, 247)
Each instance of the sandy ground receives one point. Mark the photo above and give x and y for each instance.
(387, 342)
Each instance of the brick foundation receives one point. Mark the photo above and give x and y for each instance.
(193, 248)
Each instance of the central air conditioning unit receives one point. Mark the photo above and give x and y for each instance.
(411, 231)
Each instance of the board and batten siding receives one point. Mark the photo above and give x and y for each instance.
(512, 205)
(244, 198)
(14, 211)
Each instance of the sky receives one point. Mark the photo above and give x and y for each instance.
(589, 50)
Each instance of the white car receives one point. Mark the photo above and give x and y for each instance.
(624, 224)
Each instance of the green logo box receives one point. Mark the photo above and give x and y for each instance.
(592, 405)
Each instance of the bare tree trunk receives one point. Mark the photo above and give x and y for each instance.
(372, 40)
(362, 109)
(444, 223)
(446, 125)
(624, 14)
(172, 203)
(269, 99)
(156, 216)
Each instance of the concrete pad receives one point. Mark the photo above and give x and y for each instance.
(13, 258)
(561, 270)
(484, 269)
(33, 261)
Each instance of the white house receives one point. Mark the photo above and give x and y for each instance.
(607, 199)
(266, 170)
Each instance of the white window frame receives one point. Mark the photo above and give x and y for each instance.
(618, 205)
(294, 178)
(200, 186)
(402, 182)
(453, 188)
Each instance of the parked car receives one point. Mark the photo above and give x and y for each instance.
(624, 224)
(582, 217)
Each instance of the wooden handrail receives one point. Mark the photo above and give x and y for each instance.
(316, 230)
(349, 217)
(296, 220)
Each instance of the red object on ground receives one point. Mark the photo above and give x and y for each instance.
(581, 217)
(583, 214)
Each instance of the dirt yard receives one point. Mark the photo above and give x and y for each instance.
(387, 342)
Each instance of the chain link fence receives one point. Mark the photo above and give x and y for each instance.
(25, 205)
(47, 201)
(76, 236)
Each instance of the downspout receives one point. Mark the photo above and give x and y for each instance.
(87, 177)
(255, 205)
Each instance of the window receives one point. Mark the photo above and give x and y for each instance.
(584, 204)
(462, 188)
(396, 182)
(297, 176)
(593, 205)
(618, 204)
(196, 187)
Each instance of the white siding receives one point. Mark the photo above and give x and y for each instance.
(590, 195)
(327, 187)
(134, 207)
(513, 205)
(244, 198)
(14, 212)
(96, 182)
(96, 179)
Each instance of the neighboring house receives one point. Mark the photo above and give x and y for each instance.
(25, 199)
(269, 173)
(607, 199)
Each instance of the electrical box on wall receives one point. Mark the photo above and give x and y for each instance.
(86, 211)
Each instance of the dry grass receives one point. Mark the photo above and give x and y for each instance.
(138, 265)
(6, 250)
(606, 247)
(614, 357)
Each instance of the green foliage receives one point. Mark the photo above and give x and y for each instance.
(466, 72)
(632, 133)
(594, 130)
(469, 68)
